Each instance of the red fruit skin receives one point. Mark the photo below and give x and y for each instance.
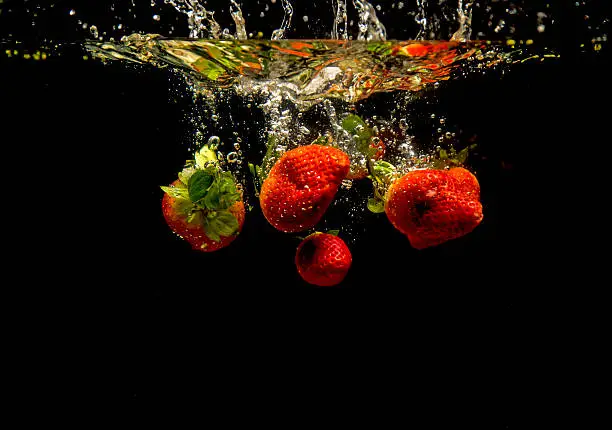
(301, 185)
(323, 259)
(194, 233)
(433, 206)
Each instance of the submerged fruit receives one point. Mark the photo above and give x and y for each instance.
(433, 206)
(195, 231)
(323, 259)
(301, 185)
(204, 206)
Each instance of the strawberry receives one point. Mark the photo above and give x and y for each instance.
(434, 206)
(301, 185)
(323, 259)
(204, 206)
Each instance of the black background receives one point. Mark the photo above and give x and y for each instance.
(100, 139)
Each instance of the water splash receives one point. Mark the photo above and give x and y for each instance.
(421, 19)
(341, 17)
(241, 33)
(464, 16)
(281, 32)
(370, 27)
(201, 22)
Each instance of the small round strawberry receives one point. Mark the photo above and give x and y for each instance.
(204, 206)
(301, 186)
(433, 206)
(323, 259)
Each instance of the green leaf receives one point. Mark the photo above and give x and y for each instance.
(176, 192)
(183, 207)
(443, 154)
(210, 232)
(351, 122)
(270, 157)
(376, 206)
(199, 183)
(252, 169)
(333, 232)
(185, 174)
(212, 198)
(321, 140)
(195, 217)
(357, 127)
(383, 169)
(221, 223)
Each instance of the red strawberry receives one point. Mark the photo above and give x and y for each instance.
(301, 185)
(323, 259)
(434, 206)
(204, 208)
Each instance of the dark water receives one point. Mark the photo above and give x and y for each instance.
(91, 143)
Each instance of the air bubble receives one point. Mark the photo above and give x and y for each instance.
(215, 118)
(442, 120)
(433, 115)
(156, 17)
(214, 141)
(94, 31)
(232, 157)
(236, 146)
(403, 124)
(72, 12)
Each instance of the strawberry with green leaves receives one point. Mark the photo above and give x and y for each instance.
(301, 185)
(323, 259)
(431, 205)
(203, 206)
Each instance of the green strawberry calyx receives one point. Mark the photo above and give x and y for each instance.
(205, 194)
(362, 134)
(451, 158)
(382, 174)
